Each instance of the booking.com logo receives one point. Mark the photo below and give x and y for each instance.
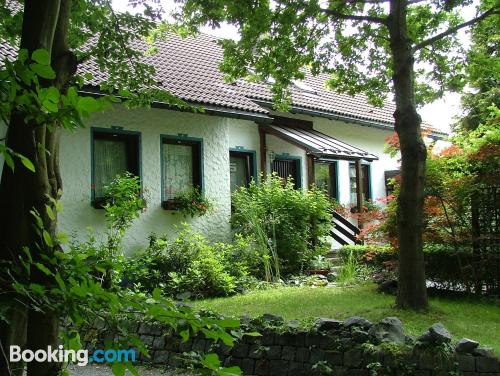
(80, 357)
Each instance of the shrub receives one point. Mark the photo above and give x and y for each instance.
(375, 255)
(189, 263)
(294, 222)
(123, 204)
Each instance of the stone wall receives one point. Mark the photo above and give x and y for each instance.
(353, 347)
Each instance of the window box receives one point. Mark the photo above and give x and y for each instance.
(170, 205)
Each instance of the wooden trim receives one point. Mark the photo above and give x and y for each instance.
(310, 171)
(359, 196)
(262, 151)
(284, 138)
(292, 123)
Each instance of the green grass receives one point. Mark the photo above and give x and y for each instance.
(463, 318)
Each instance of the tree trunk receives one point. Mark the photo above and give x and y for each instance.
(45, 25)
(412, 291)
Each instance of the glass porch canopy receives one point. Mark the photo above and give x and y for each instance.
(318, 144)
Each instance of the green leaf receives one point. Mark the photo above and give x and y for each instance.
(226, 338)
(230, 371)
(47, 238)
(41, 56)
(184, 335)
(52, 94)
(253, 334)
(44, 71)
(60, 281)
(74, 342)
(88, 104)
(72, 95)
(229, 323)
(132, 369)
(26, 162)
(37, 289)
(62, 237)
(211, 361)
(118, 369)
(43, 268)
(156, 294)
(8, 160)
(50, 212)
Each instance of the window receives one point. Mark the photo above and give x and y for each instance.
(389, 180)
(287, 167)
(181, 167)
(114, 152)
(365, 183)
(325, 177)
(241, 167)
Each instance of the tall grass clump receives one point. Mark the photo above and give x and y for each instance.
(348, 272)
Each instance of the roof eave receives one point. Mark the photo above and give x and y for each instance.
(343, 117)
(208, 109)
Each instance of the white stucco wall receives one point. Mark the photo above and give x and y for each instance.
(76, 173)
(219, 135)
(244, 134)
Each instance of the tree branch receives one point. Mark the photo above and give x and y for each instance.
(454, 29)
(343, 16)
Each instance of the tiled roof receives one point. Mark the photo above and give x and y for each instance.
(188, 68)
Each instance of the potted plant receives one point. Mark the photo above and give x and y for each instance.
(320, 265)
(191, 202)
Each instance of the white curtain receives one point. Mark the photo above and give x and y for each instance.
(177, 169)
(110, 159)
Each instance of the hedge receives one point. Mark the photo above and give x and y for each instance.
(447, 267)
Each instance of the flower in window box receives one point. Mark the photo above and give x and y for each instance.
(192, 202)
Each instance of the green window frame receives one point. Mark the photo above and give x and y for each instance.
(331, 169)
(366, 191)
(250, 163)
(188, 176)
(106, 145)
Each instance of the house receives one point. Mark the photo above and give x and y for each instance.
(333, 140)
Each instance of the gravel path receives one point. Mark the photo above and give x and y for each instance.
(93, 370)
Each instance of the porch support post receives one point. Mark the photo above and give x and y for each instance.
(359, 197)
(310, 170)
(263, 151)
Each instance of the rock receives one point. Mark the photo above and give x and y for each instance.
(439, 334)
(484, 351)
(323, 324)
(389, 329)
(245, 320)
(332, 276)
(293, 324)
(357, 321)
(436, 335)
(388, 287)
(272, 319)
(359, 336)
(466, 346)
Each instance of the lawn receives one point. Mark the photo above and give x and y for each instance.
(463, 318)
